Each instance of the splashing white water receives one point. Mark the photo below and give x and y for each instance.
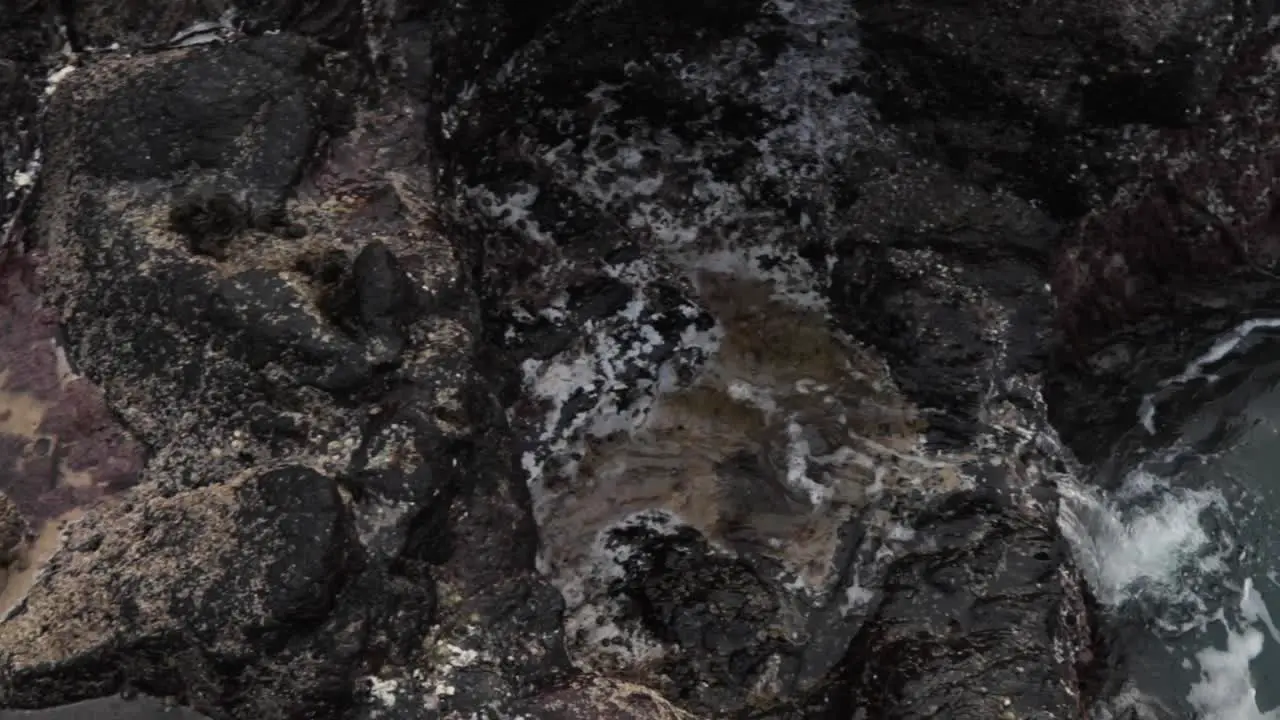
(1150, 544)
(1142, 541)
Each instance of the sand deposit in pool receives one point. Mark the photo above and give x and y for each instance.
(788, 431)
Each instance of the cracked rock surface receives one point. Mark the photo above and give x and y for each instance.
(589, 358)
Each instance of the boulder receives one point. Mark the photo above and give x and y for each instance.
(119, 605)
(994, 586)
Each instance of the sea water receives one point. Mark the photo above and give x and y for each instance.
(1180, 544)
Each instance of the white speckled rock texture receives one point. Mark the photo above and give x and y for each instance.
(586, 358)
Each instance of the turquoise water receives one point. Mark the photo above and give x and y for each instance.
(1180, 537)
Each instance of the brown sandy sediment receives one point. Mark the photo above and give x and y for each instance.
(30, 557)
(780, 376)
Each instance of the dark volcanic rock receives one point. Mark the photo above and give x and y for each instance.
(1182, 252)
(224, 367)
(28, 39)
(112, 708)
(138, 306)
(210, 220)
(154, 122)
(733, 137)
(120, 606)
(273, 319)
(382, 292)
(377, 302)
(1203, 206)
(1028, 94)
(713, 607)
(924, 279)
(142, 24)
(137, 23)
(995, 586)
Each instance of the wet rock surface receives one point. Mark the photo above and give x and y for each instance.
(109, 708)
(950, 608)
(275, 557)
(590, 359)
(1185, 250)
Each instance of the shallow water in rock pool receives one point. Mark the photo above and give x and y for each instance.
(1177, 536)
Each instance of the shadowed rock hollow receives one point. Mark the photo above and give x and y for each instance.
(584, 359)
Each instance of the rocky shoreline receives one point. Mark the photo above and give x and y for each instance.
(595, 359)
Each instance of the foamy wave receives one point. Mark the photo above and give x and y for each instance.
(1144, 542)
(1153, 545)
(1226, 688)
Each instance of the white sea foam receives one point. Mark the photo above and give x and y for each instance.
(1141, 543)
(1226, 689)
(1221, 348)
(1151, 544)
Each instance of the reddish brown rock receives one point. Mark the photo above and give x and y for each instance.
(1203, 209)
(61, 448)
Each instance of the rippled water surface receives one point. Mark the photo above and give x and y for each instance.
(1181, 541)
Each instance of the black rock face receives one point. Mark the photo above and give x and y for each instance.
(337, 317)
(29, 40)
(276, 560)
(991, 584)
(1030, 95)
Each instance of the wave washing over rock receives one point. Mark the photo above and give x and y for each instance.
(599, 359)
(1180, 549)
